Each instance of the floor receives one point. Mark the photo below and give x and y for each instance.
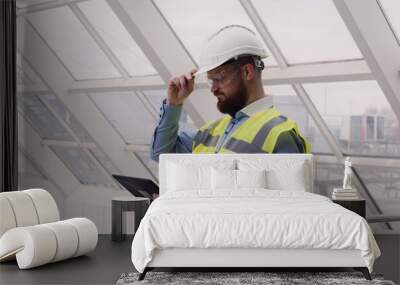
(103, 266)
(111, 259)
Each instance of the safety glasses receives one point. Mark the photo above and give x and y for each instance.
(222, 78)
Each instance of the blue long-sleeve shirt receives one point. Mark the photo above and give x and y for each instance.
(168, 139)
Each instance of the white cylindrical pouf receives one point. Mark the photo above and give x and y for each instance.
(7, 218)
(23, 207)
(67, 239)
(34, 246)
(45, 205)
(87, 234)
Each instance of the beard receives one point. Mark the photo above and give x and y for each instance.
(234, 102)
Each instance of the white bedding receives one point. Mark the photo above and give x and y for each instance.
(252, 218)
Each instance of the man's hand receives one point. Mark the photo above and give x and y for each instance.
(179, 88)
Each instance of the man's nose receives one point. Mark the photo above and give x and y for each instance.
(214, 87)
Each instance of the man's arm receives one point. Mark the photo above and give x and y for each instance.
(166, 137)
(288, 143)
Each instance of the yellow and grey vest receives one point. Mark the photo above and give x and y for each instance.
(258, 134)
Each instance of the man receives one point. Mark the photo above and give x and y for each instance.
(232, 60)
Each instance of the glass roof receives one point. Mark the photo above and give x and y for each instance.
(389, 8)
(193, 29)
(358, 115)
(72, 44)
(42, 120)
(307, 30)
(25, 165)
(28, 72)
(81, 165)
(67, 117)
(127, 114)
(104, 160)
(116, 36)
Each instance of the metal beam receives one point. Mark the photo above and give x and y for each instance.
(69, 144)
(58, 80)
(158, 42)
(359, 160)
(99, 40)
(319, 121)
(152, 82)
(310, 73)
(46, 6)
(376, 41)
(137, 147)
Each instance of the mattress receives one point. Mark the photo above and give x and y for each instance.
(250, 219)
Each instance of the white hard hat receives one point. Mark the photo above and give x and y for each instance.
(229, 42)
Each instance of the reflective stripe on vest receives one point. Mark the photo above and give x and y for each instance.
(258, 134)
(208, 136)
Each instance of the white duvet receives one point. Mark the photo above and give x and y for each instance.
(253, 218)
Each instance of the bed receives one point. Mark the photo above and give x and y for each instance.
(245, 211)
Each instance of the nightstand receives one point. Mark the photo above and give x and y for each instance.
(357, 205)
(119, 205)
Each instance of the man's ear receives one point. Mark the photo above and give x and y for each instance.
(249, 71)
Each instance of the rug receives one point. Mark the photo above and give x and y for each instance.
(243, 278)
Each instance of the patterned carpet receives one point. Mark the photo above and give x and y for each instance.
(243, 278)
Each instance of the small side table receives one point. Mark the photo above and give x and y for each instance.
(357, 206)
(119, 205)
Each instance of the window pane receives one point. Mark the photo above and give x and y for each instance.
(72, 43)
(127, 114)
(28, 71)
(81, 165)
(42, 120)
(103, 159)
(117, 38)
(389, 8)
(193, 29)
(384, 186)
(67, 117)
(307, 30)
(359, 116)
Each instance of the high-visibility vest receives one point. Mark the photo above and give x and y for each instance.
(258, 134)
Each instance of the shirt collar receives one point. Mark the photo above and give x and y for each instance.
(255, 107)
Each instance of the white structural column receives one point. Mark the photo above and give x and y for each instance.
(31, 144)
(56, 77)
(378, 44)
(156, 39)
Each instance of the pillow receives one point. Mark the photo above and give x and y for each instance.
(186, 174)
(223, 179)
(182, 177)
(282, 174)
(291, 176)
(251, 178)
